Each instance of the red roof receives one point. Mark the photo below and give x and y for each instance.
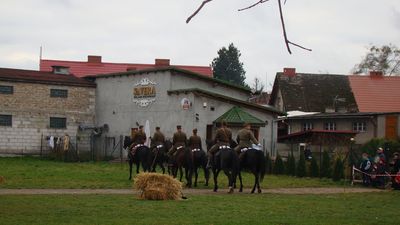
(33, 76)
(81, 69)
(376, 93)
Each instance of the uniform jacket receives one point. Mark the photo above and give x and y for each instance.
(179, 138)
(194, 142)
(140, 137)
(158, 138)
(245, 138)
(223, 135)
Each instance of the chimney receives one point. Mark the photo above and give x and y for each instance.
(64, 70)
(94, 59)
(161, 62)
(375, 74)
(290, 72)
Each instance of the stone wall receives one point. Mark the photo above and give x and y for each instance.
(31, 108)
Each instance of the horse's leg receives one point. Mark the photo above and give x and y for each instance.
(181, 173)
(241, 183)
(206, 174)
(216, 172)
(188, 175)
(258, 183)
(196, 175)
(137, 167)
(230, 180)
(162, 167)
(255, 182)
(130, 169)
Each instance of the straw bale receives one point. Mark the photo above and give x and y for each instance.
(155, 186)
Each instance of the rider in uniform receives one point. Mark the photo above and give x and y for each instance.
(194, 141)
(138, 138)
(179, 139)
(222, 137)
(245, 138)
(157, 139)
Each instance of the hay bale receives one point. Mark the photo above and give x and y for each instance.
(155, 186)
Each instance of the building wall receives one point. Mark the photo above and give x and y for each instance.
(116, 108)
(31, 108)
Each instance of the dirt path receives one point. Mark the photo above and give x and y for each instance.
(293, 191)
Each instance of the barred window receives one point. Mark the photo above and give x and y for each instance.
(308, 126)
(58, 93)
(6, 120)
(330, 126)
(6, 89)
(58, 122)
(360, 126)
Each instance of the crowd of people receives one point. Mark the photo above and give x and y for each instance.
(376, 170)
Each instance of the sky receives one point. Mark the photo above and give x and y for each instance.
(138, 31)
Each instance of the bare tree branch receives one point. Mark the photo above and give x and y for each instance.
(197, 11)
(251, 6)
(287, 42)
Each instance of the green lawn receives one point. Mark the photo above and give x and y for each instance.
(28, 172)
(371, 208)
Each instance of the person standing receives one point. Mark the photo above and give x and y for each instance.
(396, 171)
(366, 167)
(179, 140)
(223, 137)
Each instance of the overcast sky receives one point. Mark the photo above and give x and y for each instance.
(138, 31)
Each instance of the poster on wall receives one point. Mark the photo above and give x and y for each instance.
(144, 92)
(185, 103)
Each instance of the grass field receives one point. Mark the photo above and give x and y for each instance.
(28, 172)
(371, 208)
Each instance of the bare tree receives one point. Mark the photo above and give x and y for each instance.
(257, 86)
(287, 41)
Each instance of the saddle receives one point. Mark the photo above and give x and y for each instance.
(133, 150)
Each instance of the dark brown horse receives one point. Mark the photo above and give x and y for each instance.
(141, 156)
(159, 155)
(183, 159)
(254, 161)
(200, 161)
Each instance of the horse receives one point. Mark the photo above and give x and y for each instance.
(159, 155)
(200, 161)
(183, 159)
(226, 160)
(141, 156)
(253, 160)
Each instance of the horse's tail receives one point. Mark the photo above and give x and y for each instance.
(263, 167)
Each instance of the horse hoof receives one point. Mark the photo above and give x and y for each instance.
(241, 190)
(215, 189)
(259, 191)
(230, 190)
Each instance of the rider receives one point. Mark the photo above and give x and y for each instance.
(179, 139)
(222, 137)
(194, 140)
(157, 139)
(139, 138)
(244, 138)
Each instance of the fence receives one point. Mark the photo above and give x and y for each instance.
(91, 147)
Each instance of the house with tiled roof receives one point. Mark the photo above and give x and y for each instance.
(36, 105)
(368, 105)
(95, 66)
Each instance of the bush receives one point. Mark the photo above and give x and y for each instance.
(291, 165)
(314, 168)
(268, 163)
(279, 167)
(326, 165)
(301, 166)
(338, 171)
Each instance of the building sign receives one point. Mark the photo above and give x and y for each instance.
(144, 92)
(185, 103)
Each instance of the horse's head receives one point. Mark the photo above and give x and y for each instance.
(127, 141)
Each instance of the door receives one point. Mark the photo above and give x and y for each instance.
(391, 127)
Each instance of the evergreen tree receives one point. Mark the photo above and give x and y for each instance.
(326, 165)
(301, 166)
(228, 67)
(314, 168)
(338, 171)
(279, 167)
(291, 165)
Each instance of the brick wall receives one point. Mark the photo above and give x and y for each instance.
(31, 108)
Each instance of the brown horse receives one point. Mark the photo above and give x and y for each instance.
(183, 159)
(200, 161)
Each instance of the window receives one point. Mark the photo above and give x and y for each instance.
(6, 89)
(6, 120)
(58, 122)
(360, 126)
(307, 126)
(330, 126)
(58, 93)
